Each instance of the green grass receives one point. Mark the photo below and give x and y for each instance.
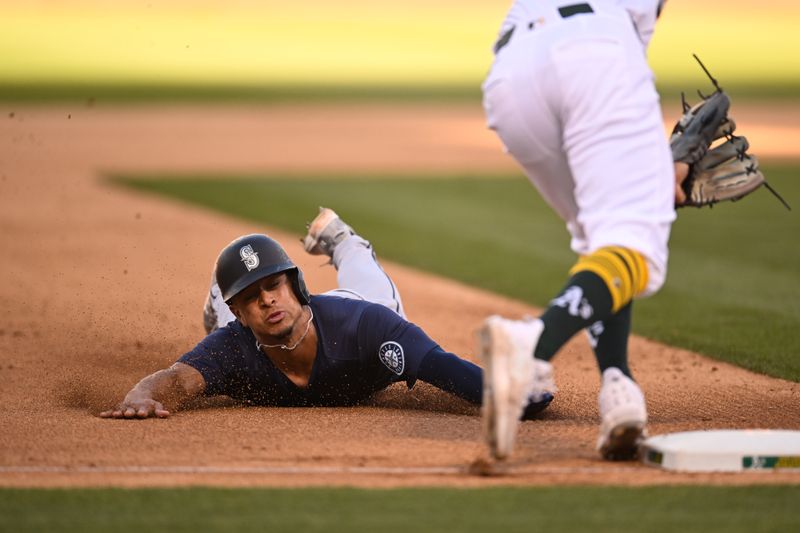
(180, 92)
(595, 509)
(733, 290)
(142, 92)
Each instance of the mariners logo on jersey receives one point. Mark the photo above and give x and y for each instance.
(249, 257)
(391, 354)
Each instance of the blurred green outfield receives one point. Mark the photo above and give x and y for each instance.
(591, 509)
(276, 50)
(732, 292)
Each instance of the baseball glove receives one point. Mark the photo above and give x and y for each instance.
(698, 128)
(720, 172)
(725, 172)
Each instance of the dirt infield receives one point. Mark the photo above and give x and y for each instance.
(102, 286)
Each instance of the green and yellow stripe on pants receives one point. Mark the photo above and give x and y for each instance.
(624, 271)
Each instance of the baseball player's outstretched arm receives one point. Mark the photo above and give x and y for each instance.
(452, 374)
(173, 385)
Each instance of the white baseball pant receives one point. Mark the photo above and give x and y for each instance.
(573, 101)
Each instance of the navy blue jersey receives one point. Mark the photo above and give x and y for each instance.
(362, 348)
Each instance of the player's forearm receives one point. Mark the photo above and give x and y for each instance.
(156, 386)
(169, 386)
(452, 374)
(464, 379)
(172, 385)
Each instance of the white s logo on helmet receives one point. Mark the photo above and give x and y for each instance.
(249, 257)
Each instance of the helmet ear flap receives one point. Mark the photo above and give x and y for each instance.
(299, 286)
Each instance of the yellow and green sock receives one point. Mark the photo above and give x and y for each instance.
(599, 295)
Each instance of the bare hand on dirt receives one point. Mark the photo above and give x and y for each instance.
(137, 409)
(173, 385)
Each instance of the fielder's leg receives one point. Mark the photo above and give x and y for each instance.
(359, 274)
(623, 411)
(598, 297)
(505, 347)
(624, 191)
(609, 340)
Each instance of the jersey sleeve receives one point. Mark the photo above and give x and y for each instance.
(389, 341)
(450, 373)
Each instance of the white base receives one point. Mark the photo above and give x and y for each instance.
(737, 450)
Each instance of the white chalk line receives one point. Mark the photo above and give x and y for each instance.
(303, 470)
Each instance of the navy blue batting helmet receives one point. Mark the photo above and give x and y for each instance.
(251, 258)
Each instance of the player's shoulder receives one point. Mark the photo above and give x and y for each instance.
(328, 303)
(232, 335)
(230, 344)
(339, 311)
(234, 328)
